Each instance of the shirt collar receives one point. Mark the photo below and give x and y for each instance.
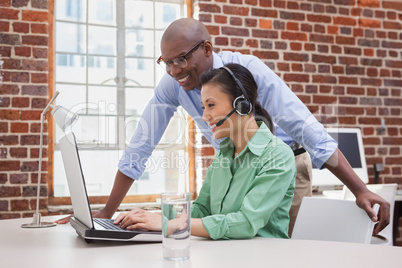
(216, 61)
(256, 144)
(260, 139)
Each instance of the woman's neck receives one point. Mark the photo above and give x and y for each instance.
(247, 127)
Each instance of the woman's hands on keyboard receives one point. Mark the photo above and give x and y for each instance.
(140, 219)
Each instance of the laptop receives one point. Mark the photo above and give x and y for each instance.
(87, 227)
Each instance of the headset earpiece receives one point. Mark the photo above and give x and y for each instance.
(242, 106)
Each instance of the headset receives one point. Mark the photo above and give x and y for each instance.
(241, 104)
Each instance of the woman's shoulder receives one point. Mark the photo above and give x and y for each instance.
(276, 147)
(268, 142)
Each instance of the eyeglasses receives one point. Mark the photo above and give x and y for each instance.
(180, 61)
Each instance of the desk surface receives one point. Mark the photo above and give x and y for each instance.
(61, 247)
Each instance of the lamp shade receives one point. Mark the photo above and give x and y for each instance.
(64, 118)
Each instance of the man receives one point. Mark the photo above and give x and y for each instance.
(186, 53)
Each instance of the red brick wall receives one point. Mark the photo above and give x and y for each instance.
(23, 95)
(342, 58)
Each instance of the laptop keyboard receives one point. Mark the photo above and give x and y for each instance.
(108, 224)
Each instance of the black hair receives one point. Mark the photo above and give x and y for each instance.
(229, 86)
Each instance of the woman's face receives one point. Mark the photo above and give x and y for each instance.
(217, 105)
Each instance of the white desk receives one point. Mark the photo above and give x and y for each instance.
(60, 247)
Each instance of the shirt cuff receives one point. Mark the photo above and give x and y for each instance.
(320, 156)
(216, 226)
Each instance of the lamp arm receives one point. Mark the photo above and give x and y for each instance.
(50, 103)
(42, 122)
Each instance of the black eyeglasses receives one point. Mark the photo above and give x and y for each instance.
(180, 61)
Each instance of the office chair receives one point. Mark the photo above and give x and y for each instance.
(332, 220)
(386, 191)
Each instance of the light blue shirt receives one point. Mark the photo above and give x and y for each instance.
(285, 108)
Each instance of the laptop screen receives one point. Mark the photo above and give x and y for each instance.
(75, 179)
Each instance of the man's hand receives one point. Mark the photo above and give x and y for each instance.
(366, 201)
(95, 214)
(64, 220)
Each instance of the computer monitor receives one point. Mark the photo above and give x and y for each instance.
(350, 143)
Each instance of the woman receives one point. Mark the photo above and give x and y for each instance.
(248, 188)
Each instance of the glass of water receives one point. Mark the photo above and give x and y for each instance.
(176, 225)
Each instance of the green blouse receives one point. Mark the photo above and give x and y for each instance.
(251, 194)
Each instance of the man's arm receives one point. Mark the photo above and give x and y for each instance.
(152, 124)
(365, 199)
(121, 185)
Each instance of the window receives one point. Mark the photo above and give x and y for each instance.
(105, 53)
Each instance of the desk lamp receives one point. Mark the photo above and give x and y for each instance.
(64, 119)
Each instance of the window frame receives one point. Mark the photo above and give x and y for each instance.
(59, 201)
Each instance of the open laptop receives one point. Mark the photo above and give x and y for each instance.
(87, 227)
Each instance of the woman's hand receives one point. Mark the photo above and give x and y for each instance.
(178, 224)
(182, 222)
(140, 219)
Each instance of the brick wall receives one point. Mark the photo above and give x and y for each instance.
(342, 58)
(23, 95)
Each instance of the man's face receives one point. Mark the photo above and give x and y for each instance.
(198, 61)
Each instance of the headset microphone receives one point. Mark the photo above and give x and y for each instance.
(225, 118)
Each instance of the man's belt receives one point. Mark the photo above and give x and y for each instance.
(297, 149)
